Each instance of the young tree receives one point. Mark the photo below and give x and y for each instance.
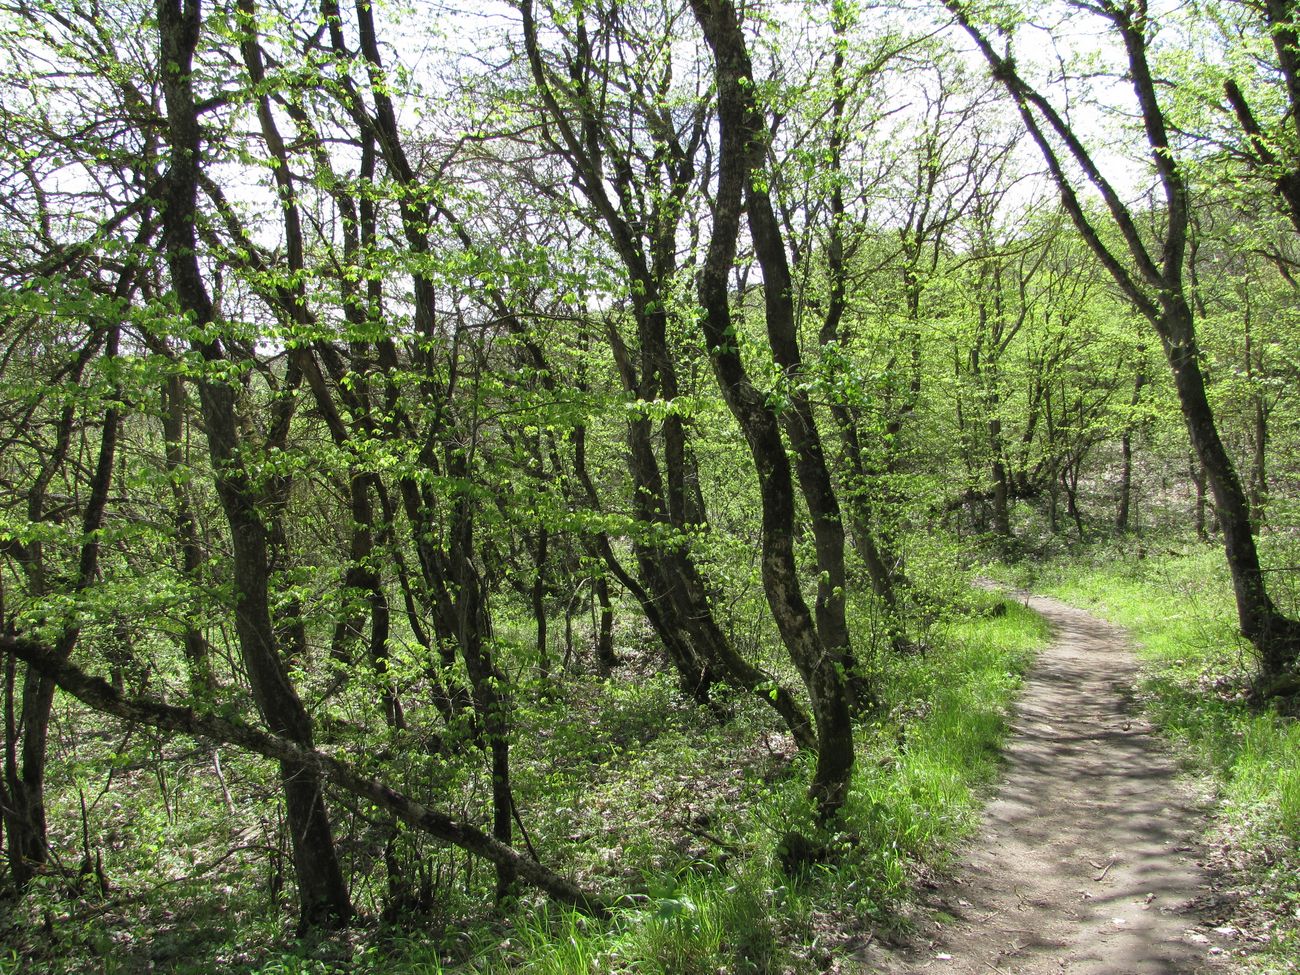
(743, 188)
(323, 895)
(1152, 274)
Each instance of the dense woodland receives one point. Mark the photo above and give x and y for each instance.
(410, 414)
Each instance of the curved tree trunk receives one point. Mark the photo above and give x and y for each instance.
(740, 154)
(323, 894)
(1275, 636)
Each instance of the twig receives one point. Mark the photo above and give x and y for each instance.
(528, 842)
(706, 835)
(221, 777)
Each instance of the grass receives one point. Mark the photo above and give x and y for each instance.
(1178, 606)
(623, 785)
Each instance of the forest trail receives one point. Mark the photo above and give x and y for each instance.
(1085, 861)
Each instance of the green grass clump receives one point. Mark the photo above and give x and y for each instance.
(963, 689)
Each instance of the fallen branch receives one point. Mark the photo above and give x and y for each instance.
(101, 696)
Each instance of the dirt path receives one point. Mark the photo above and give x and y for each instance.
(1084, 864)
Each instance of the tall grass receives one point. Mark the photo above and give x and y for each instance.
(932, 744)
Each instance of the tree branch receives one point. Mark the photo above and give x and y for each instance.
(98, 694)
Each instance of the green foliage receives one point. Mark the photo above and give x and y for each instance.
(469, 388)
(685, 812)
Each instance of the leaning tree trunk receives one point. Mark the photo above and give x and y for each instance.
(1275, 636)
(739, 155)
(101, 696)
(1156, 285)
(671, 596)
(679, 603)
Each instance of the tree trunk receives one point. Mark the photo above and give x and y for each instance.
(1125, 481)
(1275, 636)
(800, 426)
(1070, 482)
(24, 786)
(740, 153)
(539, 603)
(197, 652)
(1126, 459)
(606, 659)
(1001, 491)
(491, 696)
(322, 892)
(677, 599)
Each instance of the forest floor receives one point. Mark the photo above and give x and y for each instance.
(1089, 857)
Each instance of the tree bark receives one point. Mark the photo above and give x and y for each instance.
(801, 425)
(1197, 475)
(1275, 636)
(739, 155)
(323, 895)
(606, 658)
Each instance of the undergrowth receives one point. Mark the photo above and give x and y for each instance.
(1177, 603)
(622, 785)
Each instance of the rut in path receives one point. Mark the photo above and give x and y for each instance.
(1085, 862)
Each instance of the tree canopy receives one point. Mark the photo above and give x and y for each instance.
(374, 375)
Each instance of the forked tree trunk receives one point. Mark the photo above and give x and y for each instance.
(673, 591)
(740, 155)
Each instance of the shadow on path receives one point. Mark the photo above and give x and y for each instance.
(1084, 864)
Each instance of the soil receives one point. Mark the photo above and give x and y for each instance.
(1086, 861)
